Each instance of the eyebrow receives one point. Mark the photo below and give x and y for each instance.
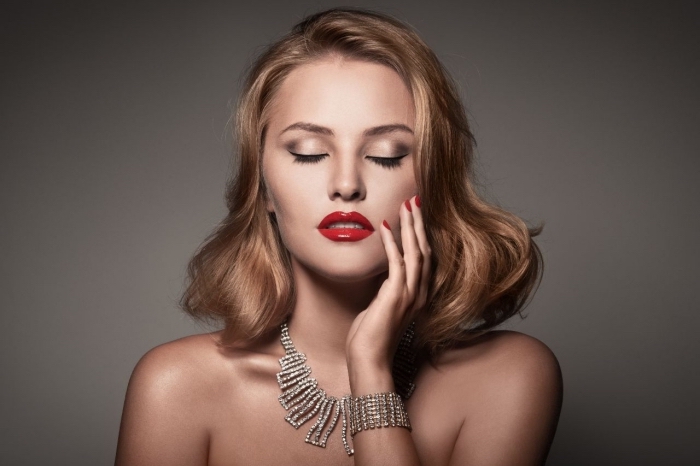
(375, 131)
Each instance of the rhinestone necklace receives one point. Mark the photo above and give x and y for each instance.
(303, 400)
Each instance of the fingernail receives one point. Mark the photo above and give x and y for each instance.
(408, 205)
(386, 225)
(418, 201)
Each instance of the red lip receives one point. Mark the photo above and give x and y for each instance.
(345, 234)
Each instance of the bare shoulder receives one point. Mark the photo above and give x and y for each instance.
(507, 387)
(178, 368)
(505, 358)
(200, 367)
(171, 393)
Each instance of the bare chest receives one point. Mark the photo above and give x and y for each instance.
(250, 429)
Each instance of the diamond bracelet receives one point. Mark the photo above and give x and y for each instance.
(375, 411)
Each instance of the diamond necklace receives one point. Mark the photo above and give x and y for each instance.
(302, 398)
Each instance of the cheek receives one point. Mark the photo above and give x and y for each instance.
(277, 203)
(396, 192)
(276, 184)
(287, 190)
(273, 194)
(292, 194)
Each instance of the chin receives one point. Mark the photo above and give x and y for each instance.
(342, 270)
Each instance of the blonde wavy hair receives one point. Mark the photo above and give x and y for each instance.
(485, 263)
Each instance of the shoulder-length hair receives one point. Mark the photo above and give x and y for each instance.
(485, 263)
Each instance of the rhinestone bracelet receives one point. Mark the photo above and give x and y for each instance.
(378, 410)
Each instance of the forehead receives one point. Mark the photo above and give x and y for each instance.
(346, 95)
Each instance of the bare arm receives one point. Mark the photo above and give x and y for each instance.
(514, 411)
(509, 415)
(162, 421)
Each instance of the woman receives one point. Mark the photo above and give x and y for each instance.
(350, 218)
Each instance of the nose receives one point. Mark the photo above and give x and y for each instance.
(346, 180)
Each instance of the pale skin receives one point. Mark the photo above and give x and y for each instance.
(493, 402)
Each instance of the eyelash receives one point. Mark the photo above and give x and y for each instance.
(386, 162)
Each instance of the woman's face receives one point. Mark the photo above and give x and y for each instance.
(339, 140)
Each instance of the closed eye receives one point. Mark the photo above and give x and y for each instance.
(387, 162)
(307, 158)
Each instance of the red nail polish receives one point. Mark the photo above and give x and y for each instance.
(418, 201)
(408, 205)
(386, 225)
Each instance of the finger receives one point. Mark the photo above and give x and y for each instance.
(422, 238)
(393, 286)
(411, 250)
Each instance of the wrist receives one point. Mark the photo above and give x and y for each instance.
(370, 378)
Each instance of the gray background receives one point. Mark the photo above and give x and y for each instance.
(114, 156)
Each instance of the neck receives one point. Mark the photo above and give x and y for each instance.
(324, 312)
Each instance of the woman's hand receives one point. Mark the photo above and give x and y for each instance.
(376, 331)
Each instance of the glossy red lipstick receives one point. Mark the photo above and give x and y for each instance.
(334, 226)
